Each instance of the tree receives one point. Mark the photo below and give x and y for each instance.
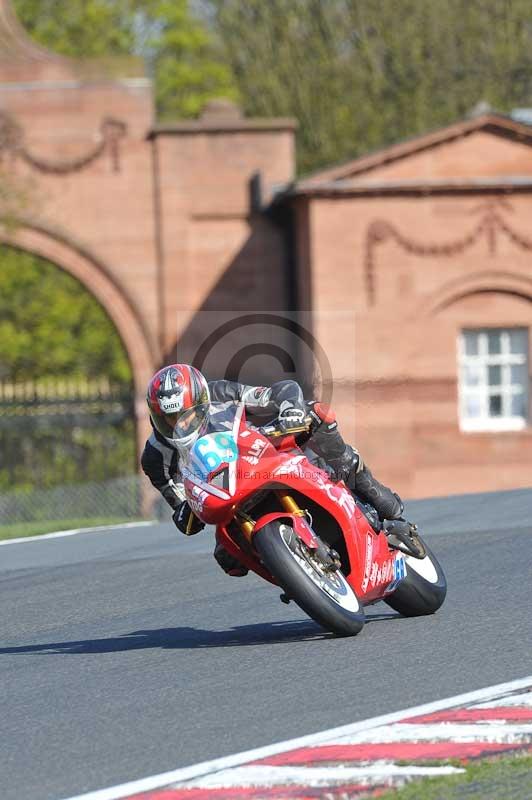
(51, 327)
(360, 74)
(181, 55)
(80, 28)
(188, 67)
(357, 74)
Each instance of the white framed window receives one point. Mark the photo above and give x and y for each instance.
(493, 379)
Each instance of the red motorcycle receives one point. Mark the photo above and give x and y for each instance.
(286, 520)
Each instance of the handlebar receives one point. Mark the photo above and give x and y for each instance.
(274, 431)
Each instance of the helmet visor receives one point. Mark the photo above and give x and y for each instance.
(184, 423)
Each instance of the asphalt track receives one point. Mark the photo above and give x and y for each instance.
(130, 653)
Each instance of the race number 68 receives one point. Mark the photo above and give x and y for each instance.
(215, 449)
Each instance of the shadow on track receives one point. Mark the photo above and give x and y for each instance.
(384, 616)
(184, 639)
(192, 638)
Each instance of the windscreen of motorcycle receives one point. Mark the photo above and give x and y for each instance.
(211, 462)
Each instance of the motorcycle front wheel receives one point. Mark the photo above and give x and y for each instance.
(422, 590)
(324, 595)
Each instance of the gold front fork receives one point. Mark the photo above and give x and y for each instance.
(289, 504)
(247, 523)
(247, 528)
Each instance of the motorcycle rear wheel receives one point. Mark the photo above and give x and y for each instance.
(325, 596)
(423, 589)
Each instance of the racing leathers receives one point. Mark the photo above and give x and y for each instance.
(160, 461)
(283, 400)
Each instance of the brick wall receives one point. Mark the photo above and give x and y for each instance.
(160, 224)
(395, 277)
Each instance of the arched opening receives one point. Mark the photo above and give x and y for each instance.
(66, 398)
(69, 386)
(76, 258)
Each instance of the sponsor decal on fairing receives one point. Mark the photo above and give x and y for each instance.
(341, 497)
(197, 500)
(368, 560)
(256, 450)
(291, 467)
(399, 572)
(381, 573)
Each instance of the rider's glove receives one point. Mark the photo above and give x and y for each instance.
(322, 415)
(290, 416)
(186, 521)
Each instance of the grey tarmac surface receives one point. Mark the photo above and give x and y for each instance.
(130, 653)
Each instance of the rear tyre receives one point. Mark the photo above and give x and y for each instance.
(325, 596)
(423, 589)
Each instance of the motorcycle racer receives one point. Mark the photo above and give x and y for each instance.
(179, 399)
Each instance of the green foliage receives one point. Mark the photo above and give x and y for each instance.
(63, 448)
(50, 326)
(61, 452)
(80, 28)
(180, 53)
(357, 74)
(487, 779)
(188, 69)
(360, 74)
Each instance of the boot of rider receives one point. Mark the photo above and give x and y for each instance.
(400, 533)
(387, 504)
(348, 465)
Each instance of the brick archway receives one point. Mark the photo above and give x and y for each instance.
(132, 208)
(77, 259)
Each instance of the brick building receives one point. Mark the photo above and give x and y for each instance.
(426, 249)
(408, 271)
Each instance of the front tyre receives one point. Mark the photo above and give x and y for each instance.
(423, 589)
(325, 596)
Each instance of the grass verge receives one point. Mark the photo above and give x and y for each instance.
(22, 529)
(505, 778)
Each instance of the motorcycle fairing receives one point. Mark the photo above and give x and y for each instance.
(375, 570)
(213, 453)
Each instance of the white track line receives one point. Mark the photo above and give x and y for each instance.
(205, 768)
(483, 731)
(59, 534)
(267, 776)
(523, 699)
